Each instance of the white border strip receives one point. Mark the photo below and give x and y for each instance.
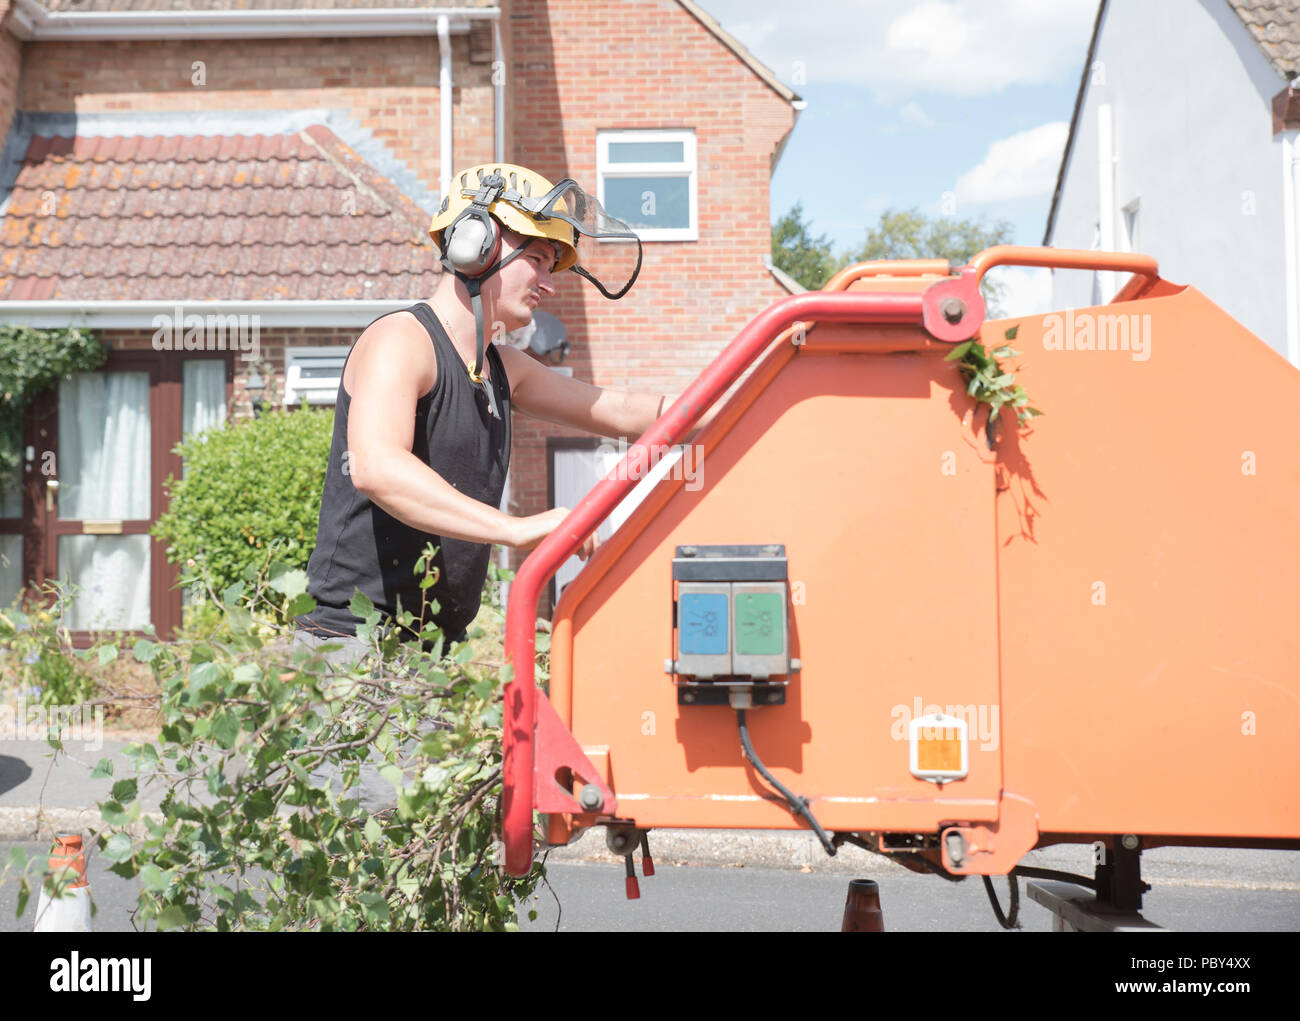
(33, 22)
(129, 315)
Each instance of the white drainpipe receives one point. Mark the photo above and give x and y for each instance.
(445, 154)
(1291, 230)
(498, 95)
(1106, 194)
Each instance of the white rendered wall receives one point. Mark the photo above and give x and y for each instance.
(1190, 94)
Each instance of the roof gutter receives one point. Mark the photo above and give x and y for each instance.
(1074, 123)
(32, 21)
(140, 315)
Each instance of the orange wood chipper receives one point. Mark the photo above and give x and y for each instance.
(872, 612)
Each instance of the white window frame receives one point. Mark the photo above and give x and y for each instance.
(689, 167)
(317, 391)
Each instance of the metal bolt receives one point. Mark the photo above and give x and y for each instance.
(670, 666)
(956, 847)
(688, 696)
(687, 551)
(590, 798)
(620, 841)
(953, 309)
(774, 696)
(1130, 841)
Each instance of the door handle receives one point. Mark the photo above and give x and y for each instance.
(51, 491)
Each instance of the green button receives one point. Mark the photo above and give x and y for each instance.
(758, 624)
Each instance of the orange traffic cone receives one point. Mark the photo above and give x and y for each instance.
(70, 912)
(862, 907)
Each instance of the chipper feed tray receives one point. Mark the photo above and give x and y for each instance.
(943, 639)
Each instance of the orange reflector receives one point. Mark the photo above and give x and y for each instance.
(941, 752)
(938, 749)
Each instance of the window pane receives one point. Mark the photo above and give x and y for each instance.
(647, 152)
(11, 568)
(649, 201)
(11, 502)
(203, 395)
(103, 457)
(11, 494)
(112, 573)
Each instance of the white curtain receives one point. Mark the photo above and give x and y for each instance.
(103, 459)
(11, 568)
(112, 575)
(203, 395)
(105, 474)
(203, 407)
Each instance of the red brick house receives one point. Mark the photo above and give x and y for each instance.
(169, 163)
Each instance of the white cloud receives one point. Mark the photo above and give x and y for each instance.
(1022, 166)
(1026, 291)
(899, 48)
(911, 115)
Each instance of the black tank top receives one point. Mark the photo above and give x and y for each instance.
(361, 546)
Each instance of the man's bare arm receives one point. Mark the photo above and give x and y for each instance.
(385, 386)
(555, 397)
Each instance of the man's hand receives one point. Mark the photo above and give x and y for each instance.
(530, 531)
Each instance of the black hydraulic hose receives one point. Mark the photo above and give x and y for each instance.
(1030, 872)
(1009, 920)
(798, 805)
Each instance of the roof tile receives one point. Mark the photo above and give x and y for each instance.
(252, 217)
(1275, 24)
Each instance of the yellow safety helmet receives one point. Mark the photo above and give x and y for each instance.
(483, 199)
(520, 183)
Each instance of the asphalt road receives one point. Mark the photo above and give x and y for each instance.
(1194, 890)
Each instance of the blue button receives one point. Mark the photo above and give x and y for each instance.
(702, 628)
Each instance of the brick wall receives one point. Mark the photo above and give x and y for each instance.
(389, 85)
(577, 69)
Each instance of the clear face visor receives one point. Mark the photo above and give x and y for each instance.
(611, 257)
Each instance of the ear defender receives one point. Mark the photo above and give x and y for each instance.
(472, 243)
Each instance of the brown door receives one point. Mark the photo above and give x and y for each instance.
(104, 446)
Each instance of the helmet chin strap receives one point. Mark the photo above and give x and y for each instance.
(474, 285)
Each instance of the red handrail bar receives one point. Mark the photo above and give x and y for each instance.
(520, 716)
(1145, 269)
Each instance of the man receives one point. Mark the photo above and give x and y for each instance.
(422, 423)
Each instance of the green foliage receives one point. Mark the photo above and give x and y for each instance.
(247, 486)
(909, 234)
(989, 382)
(40, 657)
(33, 360)
(257, 772)
(795, 251)
(900, 234)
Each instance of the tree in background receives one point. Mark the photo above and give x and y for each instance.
(910, 234)
(795, 251)
(900, 234)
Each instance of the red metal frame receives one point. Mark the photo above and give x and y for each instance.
(521, 695)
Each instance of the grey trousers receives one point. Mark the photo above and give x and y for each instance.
(375, 792)
(353, 648)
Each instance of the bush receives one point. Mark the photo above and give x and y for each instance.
(39, 659)
(250, 833)
(248, 485)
